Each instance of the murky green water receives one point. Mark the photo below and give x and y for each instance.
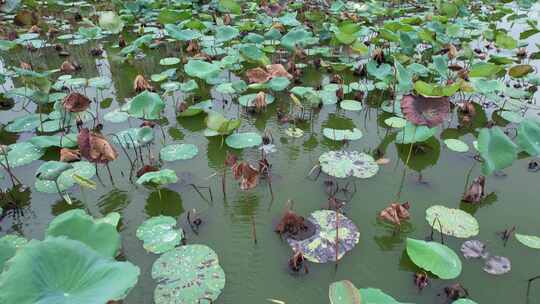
(259, 271)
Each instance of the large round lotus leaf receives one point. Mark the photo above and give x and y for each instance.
(159, 235)
(412, 134)
(351, 105)
(178, 152)
(321, 246)
(528, 137)
(434, 257)
(454, 222)
(46, 141)
(249, 99)
(134, 137)
(187, 275)
(52, 169)
(64, 271)
(496, 149)
(146, 105)
(340, 135)
(243, 140)
(161, 177)
(343, 292)
(77, 225)
(8, 247)
(531, 241)
(25, 123)
(456, 145)
(343, 164)
(66, 180)
(111, 22)
(226, 33)
(169, 61)
(20, 154)
(201, 69)
(376, 296)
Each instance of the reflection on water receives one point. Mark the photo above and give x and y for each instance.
(164, 202)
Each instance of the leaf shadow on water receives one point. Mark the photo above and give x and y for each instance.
(164, 202)
(392, 237)
(424, 155)
(473, 208)
(113, 201)
(61, 206)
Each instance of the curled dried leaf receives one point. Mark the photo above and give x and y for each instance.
(146, 169)
(395, 213)
(95, 147)
(476, 191)
(257, 75)
(140, 84)
(260, 101)
(76, 102)
(246, 174)
(69, 67)
(427, 111)
(69, 155)
(456, 291)
(277, 70)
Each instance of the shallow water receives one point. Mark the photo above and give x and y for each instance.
(256, 272)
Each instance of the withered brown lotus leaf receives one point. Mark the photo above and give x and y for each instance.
(426, 111)
(260, 101)
(76, 102)
(395, 213)
(247, 174)
(140, 84)
(257, 75)
(476, 191)
(95, 147)
(69, 155)
(68, 67)
(278, 70)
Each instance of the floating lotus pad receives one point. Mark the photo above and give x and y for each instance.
(65, 180)
(46, 141)
(454, 222)
(321, 247)
(456, 145)
(531, 241)
(20, 154)
(159, 235)
(473, 249)
(25, 123)
(8, 247)
(497, 265)
(161, 177)
(344, 292)
(351, 105)
(134, 137)
(395, 122)
(52, 169)
(340, 135)
(437, 258)
(77, 225)
(169, 61)
(243, 140)
(376, 296)
(496, 149)
(188, 274)
(146, 105)
(343, 164)
(249, 100)
(178, 152)
(64, 271)
(294, 132)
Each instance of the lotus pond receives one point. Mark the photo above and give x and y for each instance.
(269, 152)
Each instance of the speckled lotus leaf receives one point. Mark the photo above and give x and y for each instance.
(243, 140)
(454, 222)
(343, 292)
(321, 247)
(178, 152)
(20, 154)
(343, 164)
(473, 249)
(65, 180)
(497, 265)
(52, 169)
(63, 271)
(77, 225)
(187, 275)
(159, 235)
(340, 135)
(161, 177)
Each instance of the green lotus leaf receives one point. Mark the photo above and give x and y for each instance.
(412, 133)
(454, 222)
(351, 105)
(25, 123)
(434, 257)
(8, 247)
(159, 235)
(505, 41)
(201, 69)
(111, 22)
(531, 241)
(456, 145)
(77, 225)
(344, 292)
(169, 61)
(395, 122)
(161, 177)
(294, 132)
(178, 152)
(464, 301)
(511, 116)
(252, 53)
(46, 141)
(230, 6)
(341, 135)
(189, 86)
(180, 34)
(433, 90)
(243, 140)
(321, 246)
(20, 154)
(520, 70)
(528, 137)
(376, 296)
(343, 164)
(297, 38)
(249, 99)
(146, 105)
(226, 33)
(52, 169)
(134, 137)
(278, 83)
(483, 69)
(64, 271)
(116, 116)
(496, 149)
(188, 274)
(66, 180)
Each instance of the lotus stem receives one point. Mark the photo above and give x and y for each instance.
(530, 281)
(253, 229)
(337, 238)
